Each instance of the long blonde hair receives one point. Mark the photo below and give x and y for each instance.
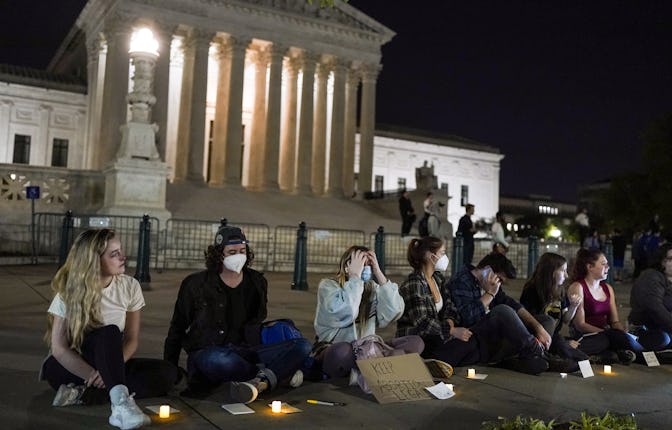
(78, 283)
(341, 277)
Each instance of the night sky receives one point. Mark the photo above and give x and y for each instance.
(562, 88)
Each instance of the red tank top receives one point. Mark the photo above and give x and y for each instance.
(596, 312)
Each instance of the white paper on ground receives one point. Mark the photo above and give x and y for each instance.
(650, 358)
(286, 408)
(586, 369)
(155, 409)
(478, 376)
(237, 408)
(441, 391)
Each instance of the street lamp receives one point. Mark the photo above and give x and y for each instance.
(138, 135)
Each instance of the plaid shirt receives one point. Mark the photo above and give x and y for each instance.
(420, 316)
(466, 292)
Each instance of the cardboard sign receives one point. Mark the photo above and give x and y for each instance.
(400, 378)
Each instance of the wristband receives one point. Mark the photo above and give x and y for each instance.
(488, 292)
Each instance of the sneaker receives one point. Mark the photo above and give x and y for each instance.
(625, 356)
(440, 370)
(247, 392)
(125, 412)
(605, 357)
(297, 379)
(68, 395)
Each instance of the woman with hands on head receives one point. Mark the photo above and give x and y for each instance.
(93, 331)
(352, 306)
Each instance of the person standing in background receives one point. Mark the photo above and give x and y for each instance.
(618, 243)
(407, 213)
(583, 223)
(466, 227)
(498, 230)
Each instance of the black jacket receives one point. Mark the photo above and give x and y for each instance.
(199, 318)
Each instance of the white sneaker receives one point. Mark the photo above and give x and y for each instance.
(68, 395)
(297, 379)
(125, 412)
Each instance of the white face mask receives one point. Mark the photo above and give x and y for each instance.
(441, 264)
(235, 262)
(366, 273)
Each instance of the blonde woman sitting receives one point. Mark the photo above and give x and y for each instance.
(352, 306)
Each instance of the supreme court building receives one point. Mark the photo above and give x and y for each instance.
(261, 94)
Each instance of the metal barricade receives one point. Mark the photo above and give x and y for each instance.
(49, 228)
(185, 242)
(325, 247)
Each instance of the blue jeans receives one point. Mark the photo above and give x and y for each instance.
(219, 364)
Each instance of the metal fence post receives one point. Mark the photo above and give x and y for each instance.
(300, 281)
(380, 247)
(66, 233)
(458, 253)
(532, 254)
(609, 253)
(142, 264)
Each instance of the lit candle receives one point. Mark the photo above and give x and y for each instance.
(563, 375)
(276, 406)
(164, 411)
(471, 373)
(607, 368)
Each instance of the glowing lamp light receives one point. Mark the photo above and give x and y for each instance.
(555, 233)
(142, 41)
(276, 406)
(164, 411)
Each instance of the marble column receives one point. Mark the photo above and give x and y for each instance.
(335, 183)
(260, 57)
(304, 155)
(269, 166)
(234, 122)
(288, 145)
(182, 149)
(40, 146)
(195, 165)
(5, 113)
(96, 52)
(164, 35)
(352, 82)
(320, 128)
(218, 155)
(115, 89)
(367, 127)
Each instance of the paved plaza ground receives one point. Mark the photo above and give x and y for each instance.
(25, 403)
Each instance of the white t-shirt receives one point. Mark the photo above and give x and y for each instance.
(122, 295)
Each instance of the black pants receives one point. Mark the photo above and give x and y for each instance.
(406, 224)
(454, 351)
(102, 349)
(468, 252)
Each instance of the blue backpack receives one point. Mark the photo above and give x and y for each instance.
(279, 330)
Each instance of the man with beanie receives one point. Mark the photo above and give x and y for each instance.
(215, 308)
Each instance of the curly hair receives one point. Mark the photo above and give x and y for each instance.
(214, 258)
(78, 284)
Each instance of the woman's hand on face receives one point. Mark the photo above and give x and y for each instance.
(95, 380)
(461, 333)
(357, 263)
(373, 261)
